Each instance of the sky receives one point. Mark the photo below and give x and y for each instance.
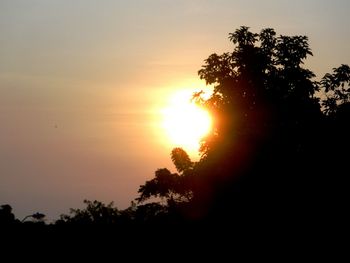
(83, 82)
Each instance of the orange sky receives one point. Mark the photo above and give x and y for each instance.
(82, 82)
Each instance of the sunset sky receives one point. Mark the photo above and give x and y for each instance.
(83, 84)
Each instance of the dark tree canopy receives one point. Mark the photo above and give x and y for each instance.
(261, 76)
(273, 124)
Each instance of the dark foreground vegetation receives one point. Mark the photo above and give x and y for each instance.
(276, 160)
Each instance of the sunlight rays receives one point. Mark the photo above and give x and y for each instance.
(184, 122)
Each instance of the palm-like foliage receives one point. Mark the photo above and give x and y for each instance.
(170, 186)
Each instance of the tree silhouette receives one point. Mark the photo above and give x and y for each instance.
(6, 215)
(38, 218)
(269, 132)
(262, 75)
(270, 128)
(95, 212)
(336, 89)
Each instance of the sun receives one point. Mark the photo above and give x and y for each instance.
(185, 123)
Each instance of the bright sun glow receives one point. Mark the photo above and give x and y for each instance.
(185, 123)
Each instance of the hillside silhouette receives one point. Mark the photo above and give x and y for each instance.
(276, 157)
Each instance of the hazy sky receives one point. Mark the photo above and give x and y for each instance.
(82, 82)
